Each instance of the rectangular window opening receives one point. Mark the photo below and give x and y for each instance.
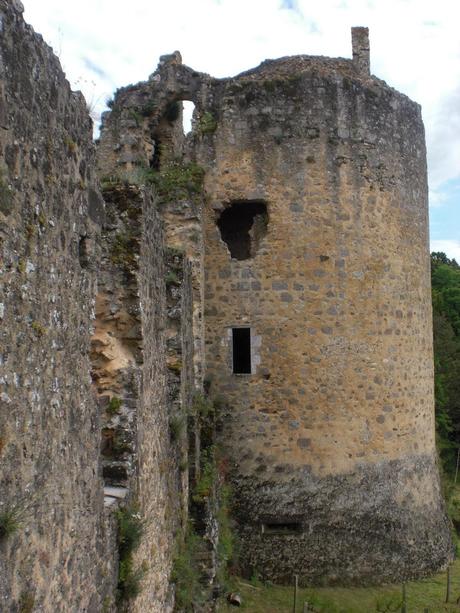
(241, 338)
(282, 528)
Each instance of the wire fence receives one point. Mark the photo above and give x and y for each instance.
(431, 595)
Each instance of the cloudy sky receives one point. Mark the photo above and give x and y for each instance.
(415, 47)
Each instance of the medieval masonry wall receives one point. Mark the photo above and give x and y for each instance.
(142, 334)
(277, 255)
(97, 367)
(57, 549)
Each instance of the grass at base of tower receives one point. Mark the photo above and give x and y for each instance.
(428, 594)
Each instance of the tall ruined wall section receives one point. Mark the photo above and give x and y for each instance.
(56, 550)
(142, 142)
(142, 334)
(96, 361)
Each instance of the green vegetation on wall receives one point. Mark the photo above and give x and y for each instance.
(207, 123)
(186, 573)
(130, 532)
(26, 602)
(177, 181)
(124, 249)
(114, 406)
(226, 547)
(6, 196)
(210, 502)
(11, 520)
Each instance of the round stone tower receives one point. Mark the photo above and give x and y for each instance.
(318, 321)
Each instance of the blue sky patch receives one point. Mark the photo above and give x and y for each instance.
(445, 216)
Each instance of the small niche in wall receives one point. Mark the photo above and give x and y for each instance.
(241, 351)
(282, 528)
(84, 251)
(242, 225)
(172, 112)
(155, 160)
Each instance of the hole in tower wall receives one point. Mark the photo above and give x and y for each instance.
(242, 225)
(241, 346)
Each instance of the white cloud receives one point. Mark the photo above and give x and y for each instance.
(414, 47)
(437, 197)
(444, 138)
(450, 247)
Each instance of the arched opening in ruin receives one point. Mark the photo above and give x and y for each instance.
(242, 226)
(188, 109)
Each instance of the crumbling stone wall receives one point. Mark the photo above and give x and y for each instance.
(329, 440)
(334, 286)
(58, 552)
(142, 358)
(85, 428)
(165, 297)
(142, 141)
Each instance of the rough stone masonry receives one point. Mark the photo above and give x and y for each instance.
(89, 328)
(278, 256)
(61, 554)
(329, 429)
(316, 304)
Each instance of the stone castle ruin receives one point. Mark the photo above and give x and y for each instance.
(273, 264)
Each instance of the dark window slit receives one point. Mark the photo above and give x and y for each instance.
(241, 338)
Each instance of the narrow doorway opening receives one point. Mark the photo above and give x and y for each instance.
(241, 338)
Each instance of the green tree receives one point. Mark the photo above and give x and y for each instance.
(445, 278)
